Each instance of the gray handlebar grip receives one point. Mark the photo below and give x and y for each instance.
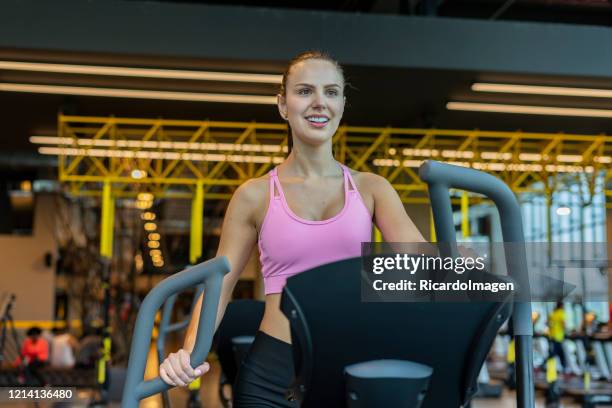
(440, 177)
(210, 273)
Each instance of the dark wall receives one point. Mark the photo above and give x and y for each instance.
(247, 33)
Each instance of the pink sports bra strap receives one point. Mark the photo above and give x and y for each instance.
(275, 182)
(348, 179)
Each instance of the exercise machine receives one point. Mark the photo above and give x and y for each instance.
(335, 329)
(370, 346)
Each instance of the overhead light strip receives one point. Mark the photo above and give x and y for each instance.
(522, 167)
(138, 94)
(153, 144)
(67, 151)
(529, 110)
(131, 154)
(141, 72)
(542, 90)
(69, 142)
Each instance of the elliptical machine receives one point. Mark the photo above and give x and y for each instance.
(433, 380)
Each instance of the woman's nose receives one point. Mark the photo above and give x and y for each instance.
(318, 99)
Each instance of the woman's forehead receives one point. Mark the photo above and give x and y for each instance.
(315, 72)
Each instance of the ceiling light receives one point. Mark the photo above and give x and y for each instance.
(148, 216)
(530, 110)
(522, 167)
(602, 159)
(154, 236)
(531, 157)
(141, 72)
(144, 205)
(152, 144)
(138, 174)
(571, 158)
(145, 197)
(542, 90)
(150, 226)
(51, 140)
(457, 153)
(563, 211)
(130, 154)
(495, 156)
(420, 152)
(138, 93)
(153, 244)
(412, 163)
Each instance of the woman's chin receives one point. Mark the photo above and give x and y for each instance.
(314, 141)
(317, 136)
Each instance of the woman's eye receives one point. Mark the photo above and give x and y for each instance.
(332, 92)
(304, 91)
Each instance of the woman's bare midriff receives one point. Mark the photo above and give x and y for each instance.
(274, 322)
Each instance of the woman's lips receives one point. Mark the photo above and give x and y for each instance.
(317, 125)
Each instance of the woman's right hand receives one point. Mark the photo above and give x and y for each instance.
(176, 369)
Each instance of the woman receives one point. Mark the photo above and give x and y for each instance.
(308, 211)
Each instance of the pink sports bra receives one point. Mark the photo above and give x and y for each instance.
(289, 244)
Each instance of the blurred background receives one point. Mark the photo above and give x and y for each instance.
(127, 125)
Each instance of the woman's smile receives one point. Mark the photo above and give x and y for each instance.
(317, 121)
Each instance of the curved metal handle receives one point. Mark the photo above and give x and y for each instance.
(440, 177)
(210, 273)
(166, 327)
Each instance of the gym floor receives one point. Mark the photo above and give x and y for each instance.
(210, 398)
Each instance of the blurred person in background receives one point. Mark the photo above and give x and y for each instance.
(33, 356)
(63, 345)
(556, 325)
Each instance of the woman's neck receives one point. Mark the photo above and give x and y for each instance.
(311, 164)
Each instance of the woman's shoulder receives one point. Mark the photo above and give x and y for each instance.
(253, 190)
(366, 180)
(250, 198)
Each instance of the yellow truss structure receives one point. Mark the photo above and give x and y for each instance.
(179, 155)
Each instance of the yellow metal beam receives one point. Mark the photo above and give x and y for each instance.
(377, 235)
(107, 224)
(465, 216)
(197, 220)
(220, 155)
(432, 227)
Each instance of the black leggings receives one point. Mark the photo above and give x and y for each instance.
(556, 349)
(265, 375)
(33, 377)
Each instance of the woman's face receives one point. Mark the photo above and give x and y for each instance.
(314, 101)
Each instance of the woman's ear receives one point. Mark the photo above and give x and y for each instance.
(282, 106)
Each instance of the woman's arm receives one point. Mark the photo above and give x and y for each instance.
(238, 238)
(394, 223)
(389, 213)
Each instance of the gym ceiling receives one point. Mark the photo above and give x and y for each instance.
(405, 60)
